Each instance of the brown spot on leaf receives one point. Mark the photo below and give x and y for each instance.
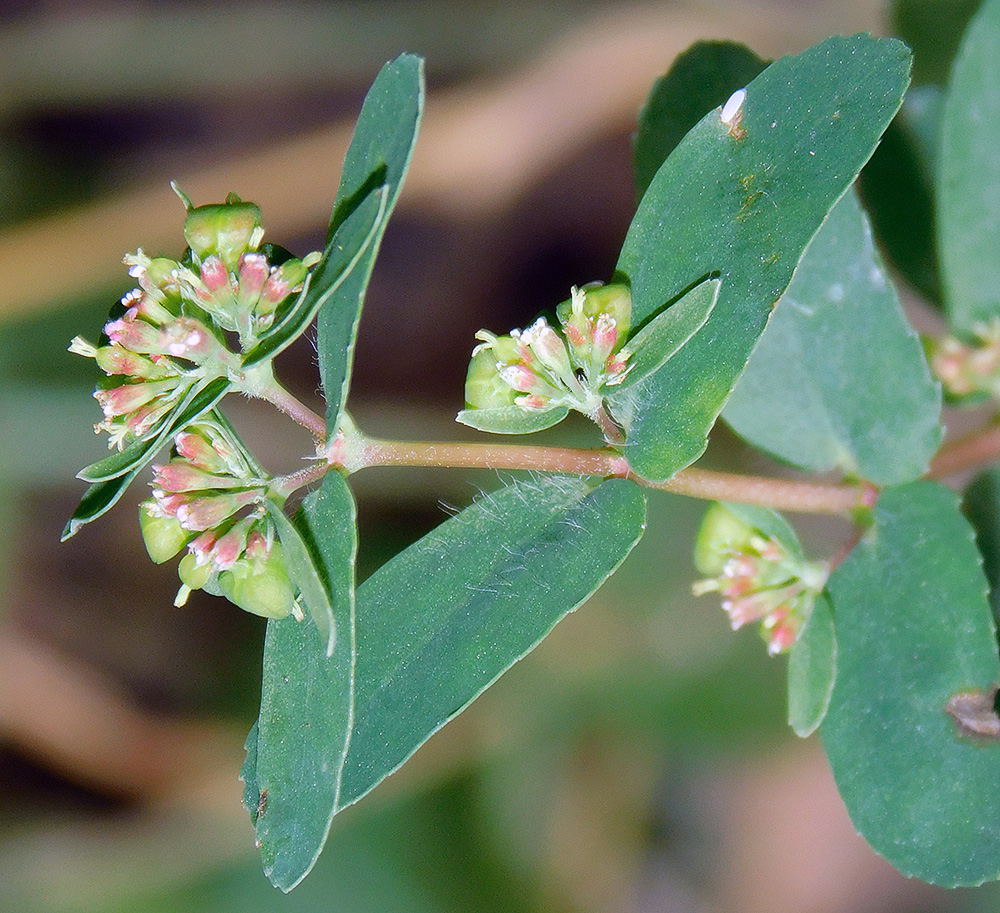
(974, 713)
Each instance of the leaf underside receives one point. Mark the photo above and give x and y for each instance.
(839, 379)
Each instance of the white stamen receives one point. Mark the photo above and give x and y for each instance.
(79, 346)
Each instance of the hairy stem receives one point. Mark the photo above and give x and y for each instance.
(285, 485)
(279, 397)
(612, 433)
(779, 494)
(808, 497)
(447, 454)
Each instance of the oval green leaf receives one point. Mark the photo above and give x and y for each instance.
(812, 669)
(296, 750)
(382, 145)
(440, 622)
(511, 419)
(913, 631)
(969, 177)
(743, 202)
(839, 379)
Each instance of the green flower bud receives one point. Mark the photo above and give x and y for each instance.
(261, 589)
(614, 300)
(225, 229)
(719, 536)
(161, 273)
(193, 575)
(163, 536)
(484, 387)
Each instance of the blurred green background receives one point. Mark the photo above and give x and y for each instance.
(638, 760)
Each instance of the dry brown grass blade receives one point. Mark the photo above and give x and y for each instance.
(482, 145)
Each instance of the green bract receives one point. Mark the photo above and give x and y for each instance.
(224, 229)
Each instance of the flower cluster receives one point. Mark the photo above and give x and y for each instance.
(541, 368)
(170, 332)
(758, 576)
(968, 369)
(209, 499)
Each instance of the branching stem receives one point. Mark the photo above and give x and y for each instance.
(296, 410)
(966, 452)
(781, 494)
(978, 447)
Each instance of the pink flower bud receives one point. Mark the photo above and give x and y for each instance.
(129, 397)
(744, 609)
(114, 360)
(147, 304)
(166, 505)
(532, 401)
(576, 338)
(201, 547)
(179, 475)
(197, 450)
(188, 338)
(782, 628)
(230, 546)
(258, 545)
(549, 347)
(145, 417)
(605, 336)
(519, 377)
(134, 334)
(208, 511)
(214, 274)
(286, 279)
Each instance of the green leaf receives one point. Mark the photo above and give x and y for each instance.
(812, 668)
(969, 183)
(700, 79)
(97, 500)
(382, 145)
(296, 751)
(839, 379)
(981, 503)
(306, 574)
(661, 339)
(343, 254)
(444, 619)
(744, 204)
(913, 630)
(511, 419)
(197, 400)
(769, 523)
(105, 492)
